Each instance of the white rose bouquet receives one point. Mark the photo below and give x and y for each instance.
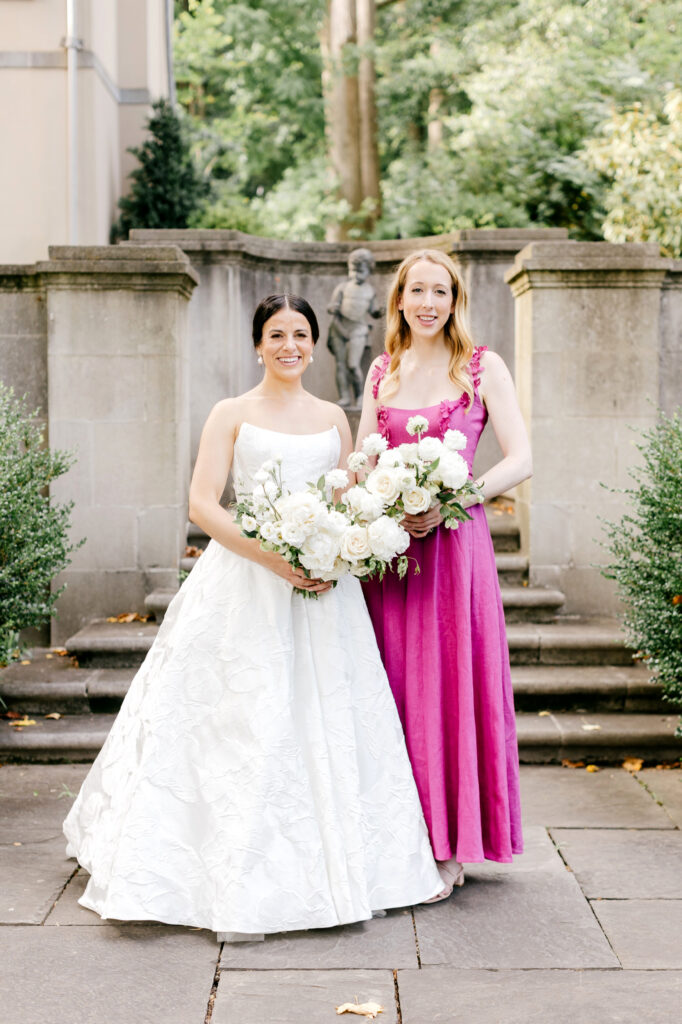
(311, 532)
(415, 477)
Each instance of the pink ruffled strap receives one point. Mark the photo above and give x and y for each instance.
(379, 372)
(475, 364)
(382, 422)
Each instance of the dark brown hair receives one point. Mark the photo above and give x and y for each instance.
(268, 307)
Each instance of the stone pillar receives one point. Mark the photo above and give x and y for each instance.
(588, 321)
(118, 395)
(670, 361)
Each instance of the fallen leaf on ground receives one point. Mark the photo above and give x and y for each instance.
(61, 651)
(128, 617)
(25, 662)
(13, 714)
(53, 714)
(49, 657)
(543, 714)
(361, 1009)
(21, 722)
(16, 844)
(589, 727)
(572, 764)
(632, 764)
(592, 768)
(192, 552)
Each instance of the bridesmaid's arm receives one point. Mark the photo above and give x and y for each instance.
(368, 417)
(214, 459)
(499, 395)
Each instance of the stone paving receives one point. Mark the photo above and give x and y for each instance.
(584, 928)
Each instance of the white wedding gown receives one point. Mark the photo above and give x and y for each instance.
(256, 778)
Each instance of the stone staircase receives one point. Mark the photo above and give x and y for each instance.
(579, 697)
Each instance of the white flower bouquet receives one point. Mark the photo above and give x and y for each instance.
(313, 532)
(414, 477)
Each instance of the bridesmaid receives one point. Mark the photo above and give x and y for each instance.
(442, 633)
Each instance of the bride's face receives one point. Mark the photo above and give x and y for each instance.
(286, 345)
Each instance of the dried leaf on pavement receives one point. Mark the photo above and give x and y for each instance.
(632, 764)
(21, 722)
(361, 1009)
(191, 551)
(589, 726)
(53, 714)
(572, 764)
(592, 768)
(128, 617)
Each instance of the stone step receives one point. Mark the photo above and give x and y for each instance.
(521, 603)
(566, 641)
(543, 739)
(512, 568)
(598, 738)
(41, 688)
(580, 688)
(195, 536)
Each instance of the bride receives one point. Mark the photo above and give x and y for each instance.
(256, 778)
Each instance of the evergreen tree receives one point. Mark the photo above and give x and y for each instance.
(166, 188)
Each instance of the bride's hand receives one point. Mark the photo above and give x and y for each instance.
(423, 522)
(296, 577)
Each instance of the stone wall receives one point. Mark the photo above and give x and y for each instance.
(597, 345)
(236, 271)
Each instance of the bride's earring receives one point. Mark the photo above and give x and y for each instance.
(260, 360)
(311, 360)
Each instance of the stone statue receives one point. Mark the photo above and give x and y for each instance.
(352, 302)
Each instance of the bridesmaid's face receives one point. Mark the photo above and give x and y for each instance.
(287, 344)
(427, 299)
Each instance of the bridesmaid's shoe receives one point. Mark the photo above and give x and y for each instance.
(452, 874)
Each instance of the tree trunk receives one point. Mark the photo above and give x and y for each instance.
(369, 150)
(340, 82)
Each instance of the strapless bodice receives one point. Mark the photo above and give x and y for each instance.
(305, 457)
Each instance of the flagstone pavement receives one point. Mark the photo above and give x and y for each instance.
(584, 928)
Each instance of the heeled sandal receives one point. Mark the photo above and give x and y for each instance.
(452, 873)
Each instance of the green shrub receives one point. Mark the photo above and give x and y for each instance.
(34, 543)
(646, 548)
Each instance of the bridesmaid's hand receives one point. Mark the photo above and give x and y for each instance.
(423, 523)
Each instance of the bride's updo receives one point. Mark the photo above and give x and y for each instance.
(268, 307)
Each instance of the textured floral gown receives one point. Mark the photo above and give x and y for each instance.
(443, 643)
(256, 778)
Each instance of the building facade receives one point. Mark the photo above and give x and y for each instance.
(77, 78)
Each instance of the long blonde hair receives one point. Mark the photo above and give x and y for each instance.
(457, 337)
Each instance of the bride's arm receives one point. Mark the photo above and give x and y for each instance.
(214, 459)
(499, 395)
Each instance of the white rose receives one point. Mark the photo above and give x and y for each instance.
(454, 440)
(319, 552)
(390, 458)
(339, 569)
(406, 477)
(261, 476)
(384, 484)
(365, 505)
(355, 544)
(409, 453)
(453, 470)
(292, 533)
(336, 478)
(417, 425)
(249, 524)
(374, 444)
(357, 461)
(416, 500)
(335, 523)
(270, 532)
(387, 538)
(430, 448)
(303, 508)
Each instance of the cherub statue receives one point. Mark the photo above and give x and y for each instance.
(352, 302)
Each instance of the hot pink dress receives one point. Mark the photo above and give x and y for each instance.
(442, 639)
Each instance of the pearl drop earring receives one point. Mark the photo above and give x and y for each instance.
(260, 360)
(311, 360)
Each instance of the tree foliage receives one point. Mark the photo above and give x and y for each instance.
(166, 188)
(486, 109)
(646, 548)
(34, 542)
